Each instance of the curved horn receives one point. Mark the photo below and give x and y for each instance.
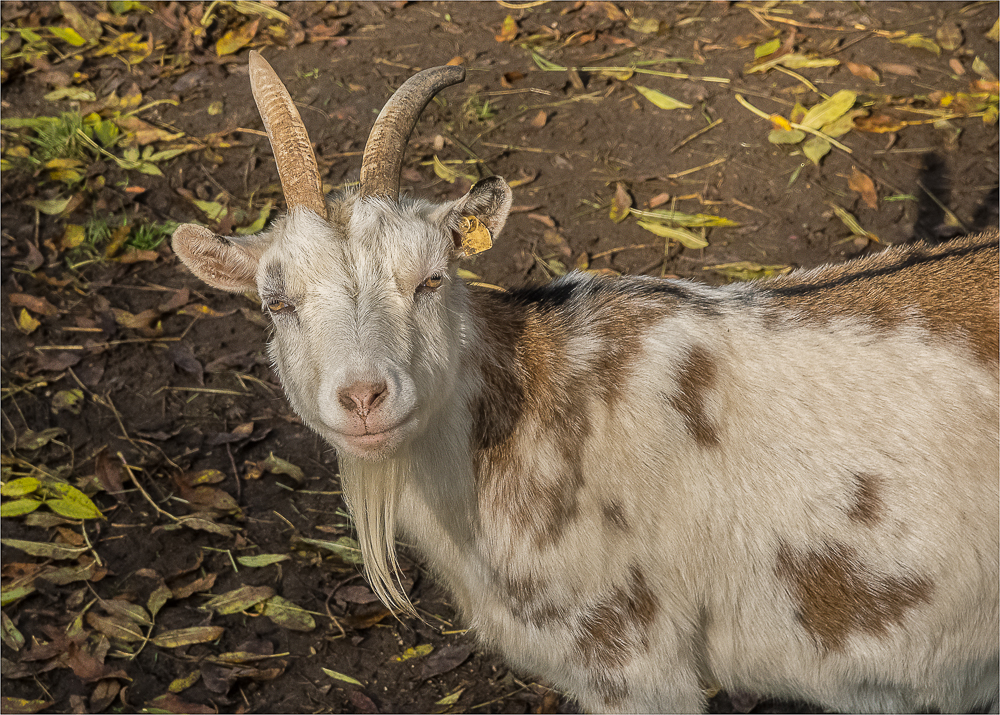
(383, 157)
(293, 153)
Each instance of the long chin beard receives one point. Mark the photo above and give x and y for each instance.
(372, 491)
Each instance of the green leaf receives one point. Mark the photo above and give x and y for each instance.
(345, 547)
(68, 34)
(546, 65)
(829, 110)
(19, 487)
(451, 698)
(340, 676)
(683, 219)
(286, 614)
(240, 599)
(19, 507)
(848, 219)
(661, 100)
(686, 238)
(36, 440)
(767, 48)
(157, 599)
(786, 136)
(50, 207)
(815, 149)
(258, 225)
(12, 637)
(8, 596)
(73, 503)
(69, 400)
(261, 560)
(797, 61)
(213, 209)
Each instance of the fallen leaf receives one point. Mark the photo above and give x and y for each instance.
(919, 41)
(686, 238)
(620, 204)
(188, 636)
(286, 614)
(346, 548)
(236, 39)
(31, 440)
(830, 109)
(416, 652)
(815, 148)
(895, 68)
(173, 704)
(452, 698)
(19, 487)
(539, 120)
(116, 627)
(341, 677)
(444, 660)
(204, 583)
(26, 323)
(261, 560)
(767, 48)
(661, 100)
(786, 136)
(508, 30)
(862, 71)
(864, 186)
(68, 400)
(240, 599)
(949, 36)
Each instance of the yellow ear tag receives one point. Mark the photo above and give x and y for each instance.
(476, 237)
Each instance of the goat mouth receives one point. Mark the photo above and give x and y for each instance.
(372, 443)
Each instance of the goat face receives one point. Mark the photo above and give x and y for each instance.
(361, 289)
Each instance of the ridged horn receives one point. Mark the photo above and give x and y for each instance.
(383, 157)
(290, 145)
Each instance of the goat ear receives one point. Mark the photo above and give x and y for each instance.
(223, 263)
(488, 201)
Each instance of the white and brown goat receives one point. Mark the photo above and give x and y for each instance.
(639, 488)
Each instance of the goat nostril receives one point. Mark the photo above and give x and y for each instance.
(362, 397)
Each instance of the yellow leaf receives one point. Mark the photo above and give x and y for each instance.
(340, 676)
(768, 48)
(417, 652)
(68, 34)
(815, 149)
(686, 238)
(50, 207)
(919, 42)
(781, 123)
(188, 636)
(451, 698)
(830, 109)
(286, 614)
(236, 39)
(181, 684)
(73, 503)
(19, 487)
(26, 322)
(661, 100)
(127, 41)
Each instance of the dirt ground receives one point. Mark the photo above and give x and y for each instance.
(127, 378)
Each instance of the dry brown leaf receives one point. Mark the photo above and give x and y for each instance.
(33, 303)
(863, 185)
(539, 120)
(543, 219)
(621, 204)
(659, 200)
(895, 68)
(863, 71)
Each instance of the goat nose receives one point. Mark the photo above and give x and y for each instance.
(362, 397)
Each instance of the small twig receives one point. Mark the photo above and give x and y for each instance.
(236, 474)
(697, 134)
(207, 390)
(710, 164)
(803, 80)
(941, 206)
(637, 247)
(97, 558)
(142, 491)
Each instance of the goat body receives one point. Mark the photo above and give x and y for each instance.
(641, 488)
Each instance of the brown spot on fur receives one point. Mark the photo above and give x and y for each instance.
(696, 376)
(613, 689)
(950, 289)
(867, 508)
(614, 515)
(526, 601)
(616, 628)
(837, 596)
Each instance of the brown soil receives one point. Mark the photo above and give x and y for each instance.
(170, 394)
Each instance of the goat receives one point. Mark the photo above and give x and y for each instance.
(641, 488)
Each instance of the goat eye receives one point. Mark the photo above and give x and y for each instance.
(431, 284)
(279, 306)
